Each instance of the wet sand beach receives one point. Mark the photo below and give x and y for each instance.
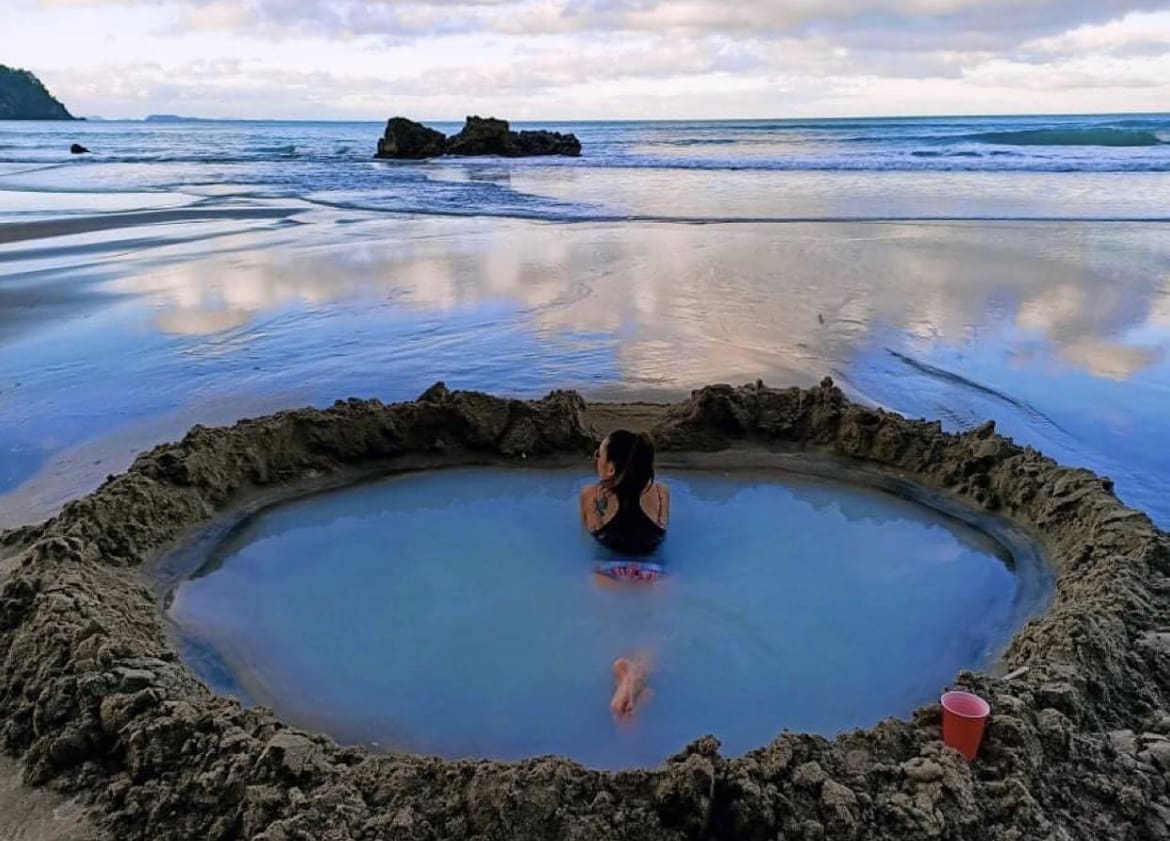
(120, 337)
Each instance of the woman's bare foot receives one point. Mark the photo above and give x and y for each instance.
(630, 674)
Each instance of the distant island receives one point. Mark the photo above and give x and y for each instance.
(23, 97)
(174, 118)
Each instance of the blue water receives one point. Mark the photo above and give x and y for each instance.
(1134, 142)
(329, 165)
(961, 268)
(454, 613)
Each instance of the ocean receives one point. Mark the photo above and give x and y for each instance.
(963, 268)
(764, 170)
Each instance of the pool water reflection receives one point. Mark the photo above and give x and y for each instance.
(454, 613)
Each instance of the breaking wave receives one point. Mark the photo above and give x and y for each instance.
(1101, 136)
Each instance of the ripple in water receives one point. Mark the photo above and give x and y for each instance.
(454, 613)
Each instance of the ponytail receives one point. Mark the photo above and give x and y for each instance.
(632, 455)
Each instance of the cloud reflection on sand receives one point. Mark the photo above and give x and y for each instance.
(1056, 330)
(690, 304)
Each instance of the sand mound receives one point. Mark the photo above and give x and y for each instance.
(94, 700)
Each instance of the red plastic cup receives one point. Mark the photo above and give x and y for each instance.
(964, 718)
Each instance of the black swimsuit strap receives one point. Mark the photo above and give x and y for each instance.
(632, 508)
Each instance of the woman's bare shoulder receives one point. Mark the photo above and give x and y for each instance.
(594, 499)
(656, 503)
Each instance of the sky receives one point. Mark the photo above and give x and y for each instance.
(592, 59)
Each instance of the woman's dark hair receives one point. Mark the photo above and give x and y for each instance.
(632, 456)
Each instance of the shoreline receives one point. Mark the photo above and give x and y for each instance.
(1083, 728)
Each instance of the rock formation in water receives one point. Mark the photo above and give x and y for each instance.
(480, 136)
(23, 97)
(541, 142)
(95, 700)
(78, 149)
(407, 139)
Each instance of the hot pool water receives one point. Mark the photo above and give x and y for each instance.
(454, 613)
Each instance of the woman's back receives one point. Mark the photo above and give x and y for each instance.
(635, 528)
(627, 509)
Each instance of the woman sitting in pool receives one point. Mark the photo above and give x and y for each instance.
(627, 511)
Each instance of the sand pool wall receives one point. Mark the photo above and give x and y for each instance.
(94, 699)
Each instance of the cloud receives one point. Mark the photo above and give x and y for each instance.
(246, 88)
(560, 59)
(1135, 32)
(906, 24)
(1076, 73)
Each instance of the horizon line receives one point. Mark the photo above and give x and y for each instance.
(177, 118)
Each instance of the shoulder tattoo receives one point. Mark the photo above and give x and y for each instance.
(601, 502)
